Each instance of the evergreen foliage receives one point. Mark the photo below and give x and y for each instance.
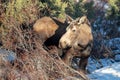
(114, 11)
(76, 9)
(54, 8)
(90, 10)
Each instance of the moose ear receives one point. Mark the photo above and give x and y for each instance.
(68, 19)
(84, 19)
(78, 20)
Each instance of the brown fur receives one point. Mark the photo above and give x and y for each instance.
(48, 27)
(45, 27)
(79, 39)
(50, 30)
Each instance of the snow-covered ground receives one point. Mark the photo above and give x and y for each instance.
(98, 64)
(107, 68)
(111, 72)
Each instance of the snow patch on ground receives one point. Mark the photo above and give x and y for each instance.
(107, 73)
(97, 64)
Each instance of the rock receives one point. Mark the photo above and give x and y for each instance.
(7, 56)
(113, 44)
(117, 57)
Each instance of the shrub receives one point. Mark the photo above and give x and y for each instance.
(55, 8)
(76, 9)
(114, 10)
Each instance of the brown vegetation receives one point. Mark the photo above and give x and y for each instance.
(33, 62)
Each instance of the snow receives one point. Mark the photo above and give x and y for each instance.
(111, 72)
(104, 69)
(97, 64)
(107, 68)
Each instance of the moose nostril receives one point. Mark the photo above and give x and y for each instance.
(67, 47)
(64, 42)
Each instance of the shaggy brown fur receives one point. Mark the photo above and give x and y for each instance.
(51, 29)
(78, 39)
(45, 27)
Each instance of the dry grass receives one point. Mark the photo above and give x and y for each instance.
(33, 62)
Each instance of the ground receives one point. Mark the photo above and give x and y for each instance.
(106, 68)
(111, 72)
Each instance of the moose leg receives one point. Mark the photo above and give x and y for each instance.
(67, 57)
(83, 63)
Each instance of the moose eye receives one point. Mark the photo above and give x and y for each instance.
(73, 30)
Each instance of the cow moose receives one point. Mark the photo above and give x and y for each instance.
(77, 42)
(50, 30)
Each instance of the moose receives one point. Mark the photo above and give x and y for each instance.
(50, 29)
(74, 37)
(45, 27)
(77, 42)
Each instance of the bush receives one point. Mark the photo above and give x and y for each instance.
(21, 11)
(54, 8)
(76, 9)
(16, 13)
(114, 11)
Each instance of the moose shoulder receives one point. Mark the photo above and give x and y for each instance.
(45, 27)
(77, 41)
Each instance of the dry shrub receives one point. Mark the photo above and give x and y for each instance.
(13, 13)
(100, 50)
(33, 62)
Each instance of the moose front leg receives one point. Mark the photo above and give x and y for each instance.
(83, 63)
(68, 56)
